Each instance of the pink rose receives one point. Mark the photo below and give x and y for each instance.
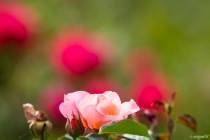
(96, 109)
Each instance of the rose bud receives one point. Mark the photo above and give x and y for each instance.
(39, 126)
(18, 23)
(77, 52)
(75, 127)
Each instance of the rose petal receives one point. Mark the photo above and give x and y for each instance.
(109, 107)
(75, 96)
(95, 118)
(29, 111)
(89, 99)
(111, 95)
(68, 108)
(129, 108)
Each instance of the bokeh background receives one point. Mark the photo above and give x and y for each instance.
(144, 50)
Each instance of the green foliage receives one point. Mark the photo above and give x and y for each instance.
(94, 136)
(66, 137)
(113, 130)
(125, 126)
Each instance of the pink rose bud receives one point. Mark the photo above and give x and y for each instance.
(96, 110)
(78, 52)
(18, 23)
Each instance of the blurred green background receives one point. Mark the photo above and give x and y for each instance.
(178, 31)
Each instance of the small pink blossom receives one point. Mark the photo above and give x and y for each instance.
(96, 109)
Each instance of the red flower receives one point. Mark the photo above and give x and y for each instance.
(147, 91)
(77, 52)
(18, 22)
(149, 84)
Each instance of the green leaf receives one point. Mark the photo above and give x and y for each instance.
(126, 138)
(105, 125)
(66, 137)
(188, 121)
(82, 138)
(125, 126)
(95, 136)
(110, 138)
(63, 138)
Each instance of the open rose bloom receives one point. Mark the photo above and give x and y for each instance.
(96, 110)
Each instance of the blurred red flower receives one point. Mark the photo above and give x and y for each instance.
(149, 90)
(50, 98)
(18, 22)
(149, 84)
(77, 52)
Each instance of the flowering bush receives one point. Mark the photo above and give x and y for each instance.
(97, 46)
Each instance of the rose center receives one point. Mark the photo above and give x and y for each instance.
(100, 98)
